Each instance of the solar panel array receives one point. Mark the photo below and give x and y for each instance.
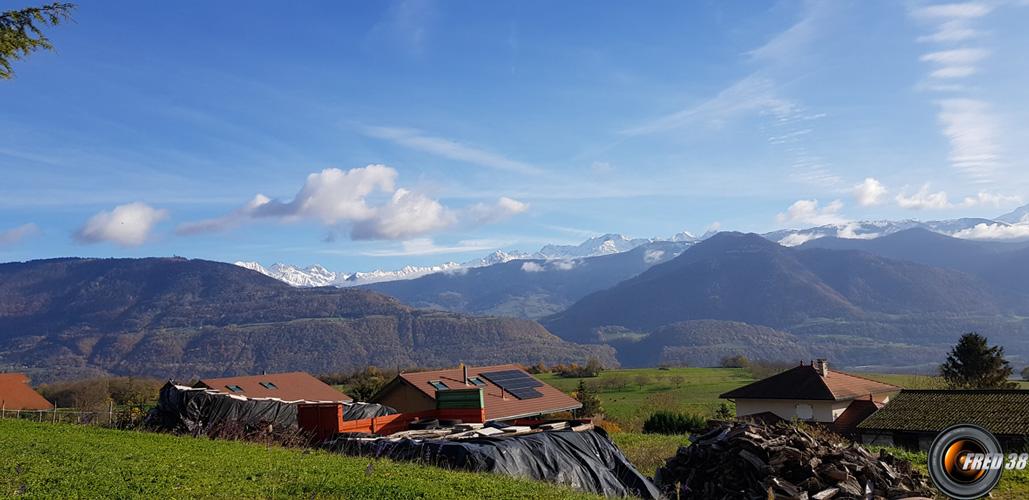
(516, 382)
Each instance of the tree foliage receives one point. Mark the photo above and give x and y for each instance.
(1025, 373)
(669, 422)
(21, 33)
(973, 364)
(587, 395)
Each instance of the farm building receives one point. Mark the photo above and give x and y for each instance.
(292, 386)
(813, 393)
(508, 391)
(914, 417)
(17, 394)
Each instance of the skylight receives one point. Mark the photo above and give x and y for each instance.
(269, 385)
(477, 381)
(234, 388)
(438, 385)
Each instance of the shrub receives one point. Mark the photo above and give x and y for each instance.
(592, 369)
(737, 361)
(668, 422)
(726, 411)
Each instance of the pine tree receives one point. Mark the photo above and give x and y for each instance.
(589, 399)
(973, 364)
(20, 32)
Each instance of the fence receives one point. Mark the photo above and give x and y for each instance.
(111, 417)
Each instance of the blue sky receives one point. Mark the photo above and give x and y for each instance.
(373, 135)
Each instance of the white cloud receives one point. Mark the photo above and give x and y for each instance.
(126, 225)
(994, 232)
(16, 234)
(870, 192)
(972, 131)
(952, 21)
(224, 222)
(406, 215)
(808, 212)
(415, 139)
(653, 255)
(505, 207)
(953, 72)
(849, 231)
(923, 199)
(956, 57)
(796, 239)
(531, 267)
(987, 199)
(563, 265)
(345, 200)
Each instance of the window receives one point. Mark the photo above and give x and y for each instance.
(805, 411)
(269, 385)
(477, 381)
(234, 388)
(438, 385)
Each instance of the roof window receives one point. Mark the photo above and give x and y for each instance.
(234, 388)
(269, 385)
(438, 385)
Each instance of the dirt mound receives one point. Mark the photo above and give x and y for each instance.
(784, 462)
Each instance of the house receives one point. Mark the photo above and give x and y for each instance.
(292, 386)
(508, 391)
(813, 393)
(914, 417)
(17, 394)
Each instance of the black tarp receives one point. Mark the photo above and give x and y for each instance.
(585, 460)
(202, 411)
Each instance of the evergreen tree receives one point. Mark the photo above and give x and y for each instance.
(973, 364)
(20, 32)
(590, 401)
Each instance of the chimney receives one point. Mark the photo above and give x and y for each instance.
(464, 370)
(822, 366)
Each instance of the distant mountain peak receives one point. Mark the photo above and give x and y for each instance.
(1019, 215)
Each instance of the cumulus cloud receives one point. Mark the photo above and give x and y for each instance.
(653, 255)
(809, 212)
(923, 199)
(482, 213)
(16, 234)
(346, 201)
(126, 225)
(531, 267)
(870, 192)
(795, 239)
(563, 265)
(994, 232)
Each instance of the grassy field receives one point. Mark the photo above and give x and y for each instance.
(69, 461)
(659, 389)
(918, 381)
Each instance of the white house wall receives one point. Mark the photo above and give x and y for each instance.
(822, 411)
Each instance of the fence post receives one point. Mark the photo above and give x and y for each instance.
(3, 409)
(54, 421)
(110, 417)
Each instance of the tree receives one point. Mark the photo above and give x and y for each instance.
(726, 411)
(587, 395)
(677, 380)
(642, 380)
(973, 364)
(1025, 373)
(20, 32)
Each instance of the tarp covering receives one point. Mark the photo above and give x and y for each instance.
(201, 411)
(585, 460)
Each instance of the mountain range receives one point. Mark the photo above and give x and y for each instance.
(173, 317)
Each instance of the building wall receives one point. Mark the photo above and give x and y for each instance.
(406, 399)
(818, 411)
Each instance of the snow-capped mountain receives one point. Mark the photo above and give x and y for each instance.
(966, 228)
(317, 275)
(498, 257)
(600, 245)
(1019, 215)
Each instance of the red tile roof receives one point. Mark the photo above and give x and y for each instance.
(858, 410)
(17, 394)
(498, 407)
(805, 382)
(292, 386)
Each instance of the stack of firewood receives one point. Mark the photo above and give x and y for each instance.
(782, 461)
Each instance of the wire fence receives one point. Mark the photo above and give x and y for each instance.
(110, 417)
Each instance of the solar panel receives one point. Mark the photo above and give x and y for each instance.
(516, 382)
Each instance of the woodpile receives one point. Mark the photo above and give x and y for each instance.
(782, 461)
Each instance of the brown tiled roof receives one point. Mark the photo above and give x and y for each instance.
(1004, 412)
(857, 411)
(17, 394)
(292, 386)
(804, 382)
(497, 407)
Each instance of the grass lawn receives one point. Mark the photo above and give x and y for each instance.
(630, 405)
(918, 381)
(70, 461)
(648, 451)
